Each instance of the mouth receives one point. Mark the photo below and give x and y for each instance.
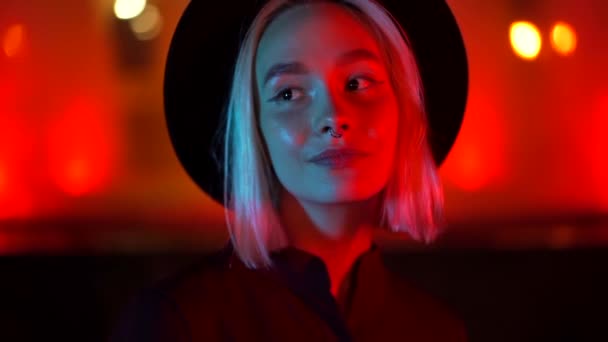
(338, 158)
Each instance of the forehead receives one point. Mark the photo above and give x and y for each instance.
(313, 32)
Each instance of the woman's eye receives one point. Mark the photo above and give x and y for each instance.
(287, 94)
(359, 83)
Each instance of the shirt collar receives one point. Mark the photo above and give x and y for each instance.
(294, 262)
(301, 266)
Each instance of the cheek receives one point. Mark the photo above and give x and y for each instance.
(283, 135)
(383, 125)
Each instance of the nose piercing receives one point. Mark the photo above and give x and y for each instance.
(334, 133)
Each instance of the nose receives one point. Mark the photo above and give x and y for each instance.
(336, 128)
(332, 121)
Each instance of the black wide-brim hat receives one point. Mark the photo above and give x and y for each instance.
(203, 52)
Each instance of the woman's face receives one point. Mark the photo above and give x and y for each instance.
(318, 67)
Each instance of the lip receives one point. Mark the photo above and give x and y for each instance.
(337, 154)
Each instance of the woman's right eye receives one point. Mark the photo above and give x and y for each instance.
(286, 95)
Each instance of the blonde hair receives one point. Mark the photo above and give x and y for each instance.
(413, 197)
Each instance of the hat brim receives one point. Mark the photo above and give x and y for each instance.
(201, 61)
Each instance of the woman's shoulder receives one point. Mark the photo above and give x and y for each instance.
(199, 288)
(163, 310)
(207, 271)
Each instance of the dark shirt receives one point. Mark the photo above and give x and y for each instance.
(222, 300)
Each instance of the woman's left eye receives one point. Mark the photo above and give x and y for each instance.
(359, 83)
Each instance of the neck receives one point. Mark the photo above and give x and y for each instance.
(336, 233)
(327, 224)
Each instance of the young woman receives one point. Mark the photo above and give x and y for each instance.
(335, 120)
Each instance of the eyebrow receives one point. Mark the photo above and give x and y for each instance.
(298, 68)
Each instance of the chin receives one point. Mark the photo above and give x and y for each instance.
(343, 189)
(338, 195)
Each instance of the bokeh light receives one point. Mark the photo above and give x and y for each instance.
(147, 25)
(525, 40)
(563, 38)
(13, 40)
(128, 9)
(81, 148)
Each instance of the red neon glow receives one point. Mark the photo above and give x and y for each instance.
(81, 148)
(15, 200)
(477, 158)
(597, 141)
(3, 178)
(16, 147)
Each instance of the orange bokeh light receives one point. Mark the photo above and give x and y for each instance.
(563, 39)
(13, 40)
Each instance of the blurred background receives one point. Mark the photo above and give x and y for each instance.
(87, 168)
